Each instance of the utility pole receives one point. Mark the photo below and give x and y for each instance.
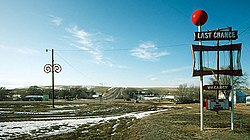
(53, 77)
(52, 68)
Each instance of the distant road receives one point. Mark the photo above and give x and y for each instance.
(115, 93)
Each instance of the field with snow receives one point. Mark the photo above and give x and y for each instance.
(118, 119)
(24, 120)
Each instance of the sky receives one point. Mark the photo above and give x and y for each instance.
(126, 43)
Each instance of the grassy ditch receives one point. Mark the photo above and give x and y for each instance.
(179, 123)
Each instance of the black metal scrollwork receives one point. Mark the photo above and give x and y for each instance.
(48, 68)
(57, 68)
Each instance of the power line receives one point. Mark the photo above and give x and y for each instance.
(219, 19)
(126, 49)
(76, 69)
(244, 30)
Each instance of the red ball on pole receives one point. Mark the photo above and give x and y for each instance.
(199, 17)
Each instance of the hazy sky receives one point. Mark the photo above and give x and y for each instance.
(110, 42)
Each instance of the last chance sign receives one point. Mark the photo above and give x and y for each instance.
(216, 35)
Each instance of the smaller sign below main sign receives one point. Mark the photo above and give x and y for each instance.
(216, 35)
(217, 104)
(217, 87)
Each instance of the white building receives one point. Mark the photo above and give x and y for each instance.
(248, 99)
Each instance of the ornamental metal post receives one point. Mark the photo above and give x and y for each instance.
(52, 68)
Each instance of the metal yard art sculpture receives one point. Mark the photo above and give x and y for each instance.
(49, 68)
(52, 68)
(222, 64)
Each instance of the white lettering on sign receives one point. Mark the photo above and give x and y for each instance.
(216, 35)
(224, 35)
(204, 35)
(217, 87)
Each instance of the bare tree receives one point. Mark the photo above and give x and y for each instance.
(239, 82)
(187, 94)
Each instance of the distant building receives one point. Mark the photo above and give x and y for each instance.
(36, 98)
(70, 98)
(146, 92)
(248, 99)
(96, 96)
(239, 97)
(16, 97)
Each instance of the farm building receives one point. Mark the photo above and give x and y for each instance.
(16, 97)
(36, 98)
(239, 97)
(248, 99)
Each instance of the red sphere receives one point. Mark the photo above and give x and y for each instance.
(199, 17)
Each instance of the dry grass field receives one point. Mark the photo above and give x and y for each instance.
(184, 123)
(176, 122)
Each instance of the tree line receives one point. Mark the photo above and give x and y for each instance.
(184, 93)
(62, 93)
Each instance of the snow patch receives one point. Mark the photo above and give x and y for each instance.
(53, 127)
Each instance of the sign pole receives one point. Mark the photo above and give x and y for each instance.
(199, 18)
(232, 104)
(201, 85)
(217, 68)
(232, 91)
